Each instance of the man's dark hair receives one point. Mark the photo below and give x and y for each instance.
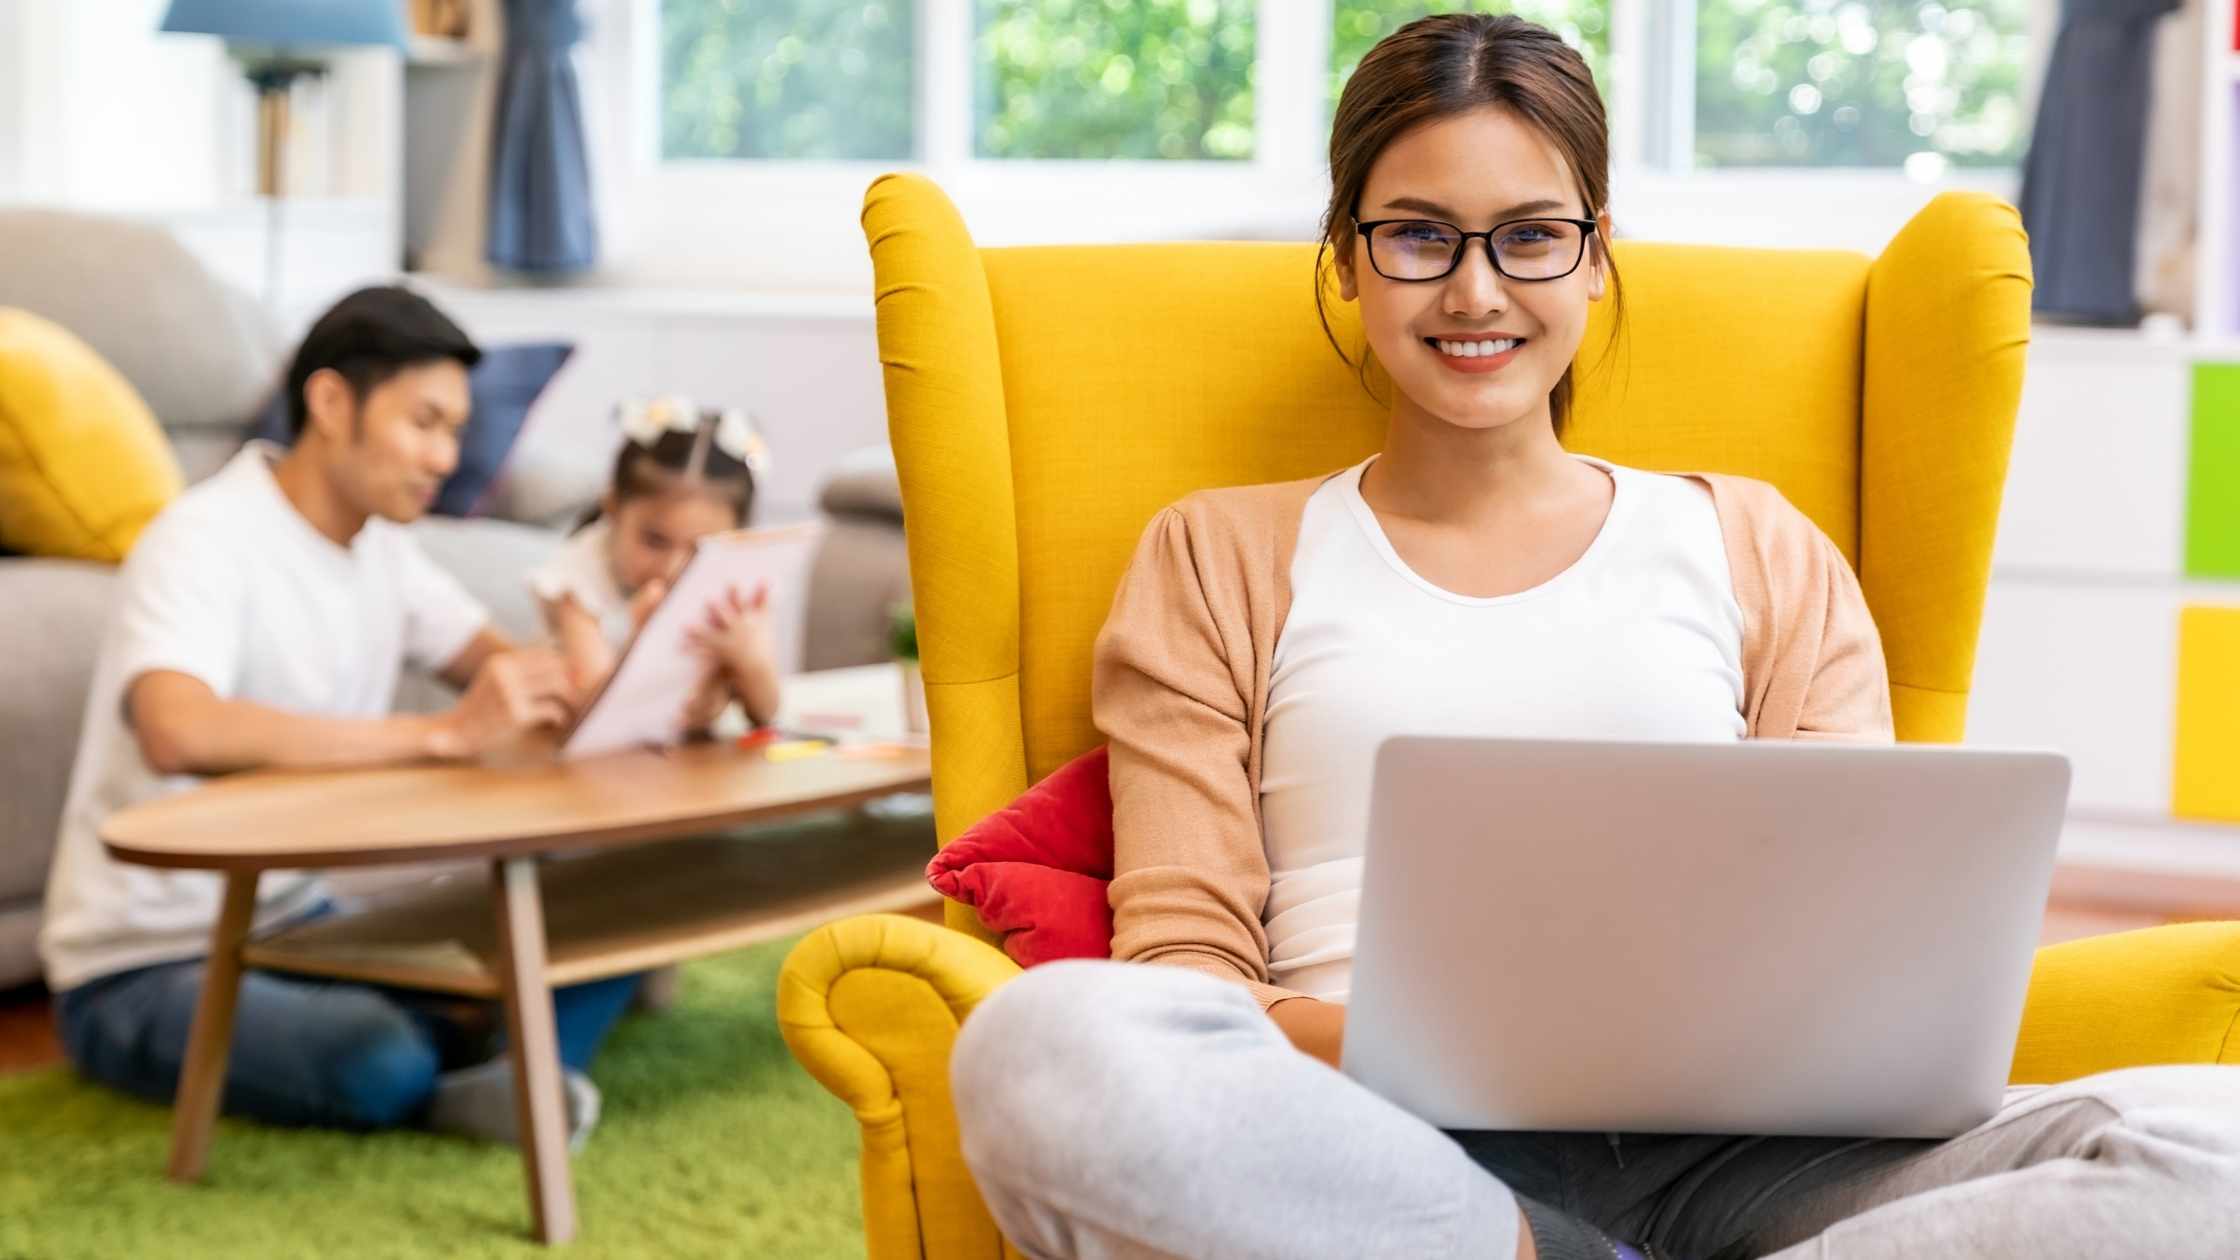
(371, 336)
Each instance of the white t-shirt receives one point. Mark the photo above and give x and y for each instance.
(231, 585)
(581, 569)
(1640, 639)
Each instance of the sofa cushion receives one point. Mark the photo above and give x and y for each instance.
(83, 465)
(505, 384)
(199, 351)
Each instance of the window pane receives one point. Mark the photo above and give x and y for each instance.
(1357, 25)
(1859, 83)
(1114, 79)
(812, 79)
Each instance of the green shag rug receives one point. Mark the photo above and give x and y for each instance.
(713, 1142)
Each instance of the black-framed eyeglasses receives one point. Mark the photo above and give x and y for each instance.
(1520, 249)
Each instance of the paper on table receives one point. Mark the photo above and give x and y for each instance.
(643, 701)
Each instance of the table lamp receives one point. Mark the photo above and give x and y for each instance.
(276, 42)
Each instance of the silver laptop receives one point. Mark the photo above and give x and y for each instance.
(1777, 938)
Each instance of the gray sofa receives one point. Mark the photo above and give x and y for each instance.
(204, 357)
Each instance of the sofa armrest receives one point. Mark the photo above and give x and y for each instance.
(49, 643)
(2130, 999)
(870, 1006)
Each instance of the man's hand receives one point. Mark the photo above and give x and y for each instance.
(513, 693)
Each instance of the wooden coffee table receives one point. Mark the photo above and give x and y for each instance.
(638, 882)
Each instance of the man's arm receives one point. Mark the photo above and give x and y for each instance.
(183, 727)
(459, 671)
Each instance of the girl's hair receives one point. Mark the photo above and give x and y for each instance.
(1437, 67)
(682, 459)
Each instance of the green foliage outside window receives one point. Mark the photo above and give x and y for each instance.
(1114, 79)
(800, 79)
(1859, 83)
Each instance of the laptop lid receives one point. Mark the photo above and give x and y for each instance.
(1778, 938)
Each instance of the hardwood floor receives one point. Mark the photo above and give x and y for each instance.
(27, 1030)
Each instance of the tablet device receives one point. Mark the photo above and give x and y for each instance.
(643, 699)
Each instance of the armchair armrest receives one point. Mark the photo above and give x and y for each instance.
(871, 1006)
(2158, 995)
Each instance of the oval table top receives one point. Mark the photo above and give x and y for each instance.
(364, 817)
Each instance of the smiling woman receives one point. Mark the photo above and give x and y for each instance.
(1542, 135)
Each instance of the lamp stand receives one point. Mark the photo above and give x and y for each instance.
(274, 77)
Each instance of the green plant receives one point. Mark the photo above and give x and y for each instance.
(902, 633)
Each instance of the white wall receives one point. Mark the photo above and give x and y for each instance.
(96, 111)
(99, 110)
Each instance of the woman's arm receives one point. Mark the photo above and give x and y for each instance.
(1316, 1027)
(1847, 696)
(1171, 694)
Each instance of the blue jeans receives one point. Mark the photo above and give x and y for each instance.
(305, 1051)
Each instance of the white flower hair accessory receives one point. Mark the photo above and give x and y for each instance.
(737, 436)
(643, 422)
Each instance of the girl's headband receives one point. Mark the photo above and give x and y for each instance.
(735, 434)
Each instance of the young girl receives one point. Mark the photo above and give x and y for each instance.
(1472, 578)
(683, 473)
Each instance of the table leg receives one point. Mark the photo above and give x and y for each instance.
(535, 1047)
(202, 1081)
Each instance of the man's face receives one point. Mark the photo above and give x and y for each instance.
(391, 450)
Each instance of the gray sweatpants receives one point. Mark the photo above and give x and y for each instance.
(1115, 1110)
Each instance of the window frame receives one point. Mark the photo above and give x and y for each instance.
(1658, 192)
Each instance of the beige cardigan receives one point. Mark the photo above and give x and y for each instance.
(1181, 693)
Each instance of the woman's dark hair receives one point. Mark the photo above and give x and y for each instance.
(680, 459)
(370, 336)
(1437, 67)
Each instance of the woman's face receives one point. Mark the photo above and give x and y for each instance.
(652, 535)
(1474, 171)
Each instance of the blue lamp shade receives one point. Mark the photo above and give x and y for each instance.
(291, 23)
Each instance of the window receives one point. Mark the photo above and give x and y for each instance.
(1917, 85)
(1357, 25)
(1113, 79)
(801, 79)
(1859, 83)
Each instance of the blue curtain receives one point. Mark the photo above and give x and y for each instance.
(541, 217)
(2081, 179)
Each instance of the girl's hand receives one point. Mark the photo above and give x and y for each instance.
(738, 640)
(642, 603)
(708, 702)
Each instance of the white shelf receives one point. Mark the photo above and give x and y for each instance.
(433, 50)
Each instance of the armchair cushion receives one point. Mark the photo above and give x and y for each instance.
(1037, 869)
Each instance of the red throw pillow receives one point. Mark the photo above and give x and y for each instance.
(1036, 870)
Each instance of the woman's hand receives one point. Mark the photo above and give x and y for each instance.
(1316, 1028)
(737, 640)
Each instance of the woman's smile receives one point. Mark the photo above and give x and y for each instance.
(1475, 354)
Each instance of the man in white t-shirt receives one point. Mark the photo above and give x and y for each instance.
(263, 622)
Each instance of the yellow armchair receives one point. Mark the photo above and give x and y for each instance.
(1045, 402)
